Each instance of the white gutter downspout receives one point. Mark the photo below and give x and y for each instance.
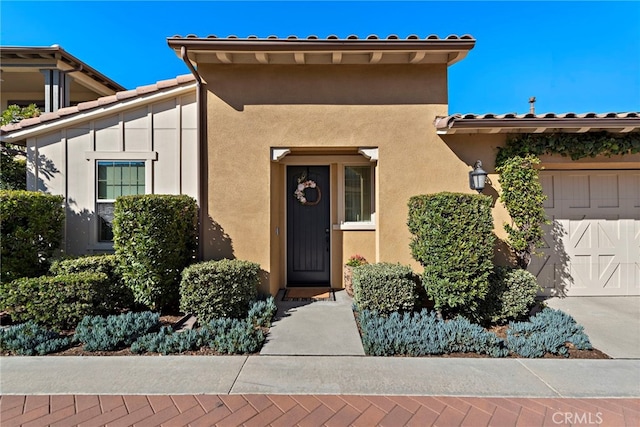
(202, 149)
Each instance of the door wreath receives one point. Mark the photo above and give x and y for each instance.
(303, 184)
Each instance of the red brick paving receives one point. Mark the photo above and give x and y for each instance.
(316, 410)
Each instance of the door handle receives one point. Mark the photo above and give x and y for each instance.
(326, 231)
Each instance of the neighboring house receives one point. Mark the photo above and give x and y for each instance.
(140, 141)
(362, 125)
(49, 77)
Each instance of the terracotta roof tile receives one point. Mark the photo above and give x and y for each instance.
(329, 37)
(100, 102)
(629, 121)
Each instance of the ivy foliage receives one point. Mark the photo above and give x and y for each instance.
(574, 145)
(524, 199)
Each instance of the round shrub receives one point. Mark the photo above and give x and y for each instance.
(384, 287)
(214, 289)
(512, 293)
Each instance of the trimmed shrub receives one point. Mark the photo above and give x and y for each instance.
(155, 238)
(214, 289)
(58, 302)
(13, 171)
(384, 287)
(116, 296)
(29, 338)
(424, 333)
(512, 294)
(32, 225)
(99, 333)
(546, 332)
(453, 241)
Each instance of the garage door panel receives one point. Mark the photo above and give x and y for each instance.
(593, 244)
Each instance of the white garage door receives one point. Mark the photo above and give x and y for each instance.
(593, 245)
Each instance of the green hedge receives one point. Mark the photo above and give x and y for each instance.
(214, 289)
(453, 241)
(32, 225)
(155, 238)
(58, 302)
(384, 287)
(512, 293)
(117, 296)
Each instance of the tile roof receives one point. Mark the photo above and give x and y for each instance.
(100, 102)
(331, 37)
(530, 122)
(331, 50)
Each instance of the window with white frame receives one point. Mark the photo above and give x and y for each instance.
(359, 204)
(115, 178)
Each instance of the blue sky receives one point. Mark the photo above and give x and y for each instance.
(572, 56)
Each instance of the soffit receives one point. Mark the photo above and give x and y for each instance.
(332, 50)
(32, 59)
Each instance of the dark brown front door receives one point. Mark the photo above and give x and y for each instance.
(308, 226)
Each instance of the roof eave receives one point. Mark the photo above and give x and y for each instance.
(576, 125)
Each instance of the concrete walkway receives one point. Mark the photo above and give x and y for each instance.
(322, 328)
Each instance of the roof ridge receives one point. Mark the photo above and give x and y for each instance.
(99, 102)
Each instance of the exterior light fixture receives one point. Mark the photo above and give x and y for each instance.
(477, 177)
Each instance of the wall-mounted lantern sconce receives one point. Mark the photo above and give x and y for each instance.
(477, 177)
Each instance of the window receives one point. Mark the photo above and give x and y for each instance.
(358, 194)
(116, 178)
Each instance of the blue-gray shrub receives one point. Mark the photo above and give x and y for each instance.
(99, 333)
(29, 338)
(546, 332)
(424, 333)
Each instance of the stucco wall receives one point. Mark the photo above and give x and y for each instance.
(163, 134)
(323, 110)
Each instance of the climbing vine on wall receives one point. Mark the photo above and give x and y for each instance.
(522, 193)
(574, 145)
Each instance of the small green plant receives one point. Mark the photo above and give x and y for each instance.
(99, 333)
(155, 238)
(384, 287)
(31, 232)
(547, 332)
(232, 336)
(168, 341)
(15, 113)
(214, 289)
(453, 241)
(57, 302)
(512, 294)
(29, 338)
(356, 261)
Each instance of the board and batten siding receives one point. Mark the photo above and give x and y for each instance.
(162, 133)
